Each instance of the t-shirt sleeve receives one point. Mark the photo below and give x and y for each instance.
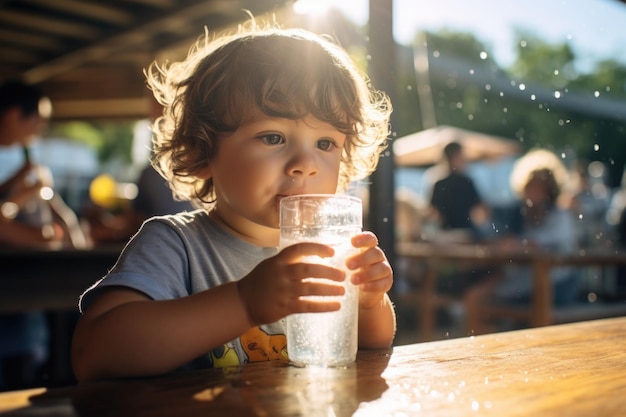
(154, 262)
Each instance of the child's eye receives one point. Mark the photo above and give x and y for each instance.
(272, 139)
(325, 144)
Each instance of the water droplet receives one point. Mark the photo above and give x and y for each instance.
(475, 406)
(436, 54)
(557, 94)
(471, 72)
(522, 87)
(597, 94)
(556, 72)
(596, 147)
(483, 55)
(523, 44)
(533, 97)
(580, 216)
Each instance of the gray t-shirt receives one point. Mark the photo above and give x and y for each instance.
(178, 255)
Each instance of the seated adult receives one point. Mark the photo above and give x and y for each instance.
(455, 201)
(545, 227)
(28, 220)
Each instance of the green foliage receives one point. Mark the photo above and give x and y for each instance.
(543, 99)
(549, 65)
(111, 140)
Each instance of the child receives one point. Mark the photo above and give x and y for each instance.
(249, 118)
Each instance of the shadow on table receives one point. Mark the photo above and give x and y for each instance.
(271, 388)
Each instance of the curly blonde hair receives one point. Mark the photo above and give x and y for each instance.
(286, 73)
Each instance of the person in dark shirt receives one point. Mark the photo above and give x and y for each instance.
(459, 211)
(455, 201)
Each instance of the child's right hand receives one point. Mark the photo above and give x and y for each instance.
(274, 289)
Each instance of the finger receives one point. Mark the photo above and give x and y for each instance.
(299, 250)
(303, 270)
(367, 257)
(376, 272)
(315, 287)
(364, 240)
(316, 306)
(376, 286)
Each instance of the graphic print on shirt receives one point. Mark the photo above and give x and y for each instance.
(260, 343)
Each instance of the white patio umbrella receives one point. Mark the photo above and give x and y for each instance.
(426, 147)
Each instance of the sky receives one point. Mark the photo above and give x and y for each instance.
(596, 29)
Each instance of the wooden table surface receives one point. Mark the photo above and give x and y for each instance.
(50, 279)
(541, 309)
(567, 370)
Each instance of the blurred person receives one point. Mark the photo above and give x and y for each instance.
(154, 196)
(587, 197)
(457, 214)
(537, 179)
(455, 202)
(32, 214)
(619, 293)
(28, 219)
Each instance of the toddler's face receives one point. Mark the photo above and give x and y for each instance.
(267, 159)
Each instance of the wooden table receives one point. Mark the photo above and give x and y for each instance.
(50, 279)
(541, 309)
(566, 370)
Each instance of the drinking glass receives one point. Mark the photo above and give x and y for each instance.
(328, 338)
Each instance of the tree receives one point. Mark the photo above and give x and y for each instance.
(542, 99)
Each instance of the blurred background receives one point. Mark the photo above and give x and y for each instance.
(502, 77)
(549, 75)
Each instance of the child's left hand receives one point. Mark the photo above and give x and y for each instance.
(370, 270)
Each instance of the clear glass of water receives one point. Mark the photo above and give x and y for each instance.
(330, 338)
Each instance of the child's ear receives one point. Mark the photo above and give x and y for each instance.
(204, 173)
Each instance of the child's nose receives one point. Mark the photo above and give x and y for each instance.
(302, 163)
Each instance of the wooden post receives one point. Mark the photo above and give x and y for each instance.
(382, 73)
(542, 294)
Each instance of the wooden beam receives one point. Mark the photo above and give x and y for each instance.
(100, 12)
(103, 108)
(138, 35)
(52, 26)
